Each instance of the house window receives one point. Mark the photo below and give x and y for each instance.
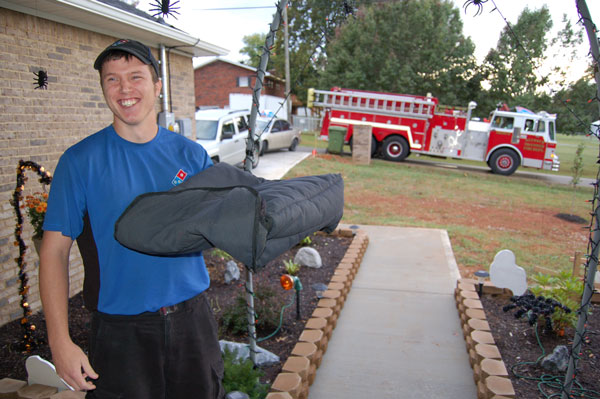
(269, 84)
(243, 81)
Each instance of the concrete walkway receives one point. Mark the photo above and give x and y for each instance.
(398, 335)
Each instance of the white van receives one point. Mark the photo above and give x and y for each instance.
(223, 133)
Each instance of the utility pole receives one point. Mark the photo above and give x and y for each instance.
(288, 83)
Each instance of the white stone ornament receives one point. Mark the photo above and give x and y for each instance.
(41, 371)
(307, 256)
(505, 273)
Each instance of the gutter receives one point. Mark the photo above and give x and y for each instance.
(108, 20)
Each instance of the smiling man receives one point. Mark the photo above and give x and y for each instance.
(153, 334)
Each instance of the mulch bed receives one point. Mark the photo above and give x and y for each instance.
(518, 345)
(331, 248)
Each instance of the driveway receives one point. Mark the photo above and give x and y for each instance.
(273, 165)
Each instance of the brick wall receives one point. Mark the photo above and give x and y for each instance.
(39, 125)
(215, 81)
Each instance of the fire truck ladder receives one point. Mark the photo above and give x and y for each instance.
(385, 104)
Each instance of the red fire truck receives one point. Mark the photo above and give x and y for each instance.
(402, 124)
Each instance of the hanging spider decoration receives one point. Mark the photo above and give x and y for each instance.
(165, 8)
(534, 307)
(30, 341)
(348, 8)
(41, 79)
(476, 3)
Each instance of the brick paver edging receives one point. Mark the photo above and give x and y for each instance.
(299, 371)
(489, 371)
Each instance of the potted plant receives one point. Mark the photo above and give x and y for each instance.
(36, 206)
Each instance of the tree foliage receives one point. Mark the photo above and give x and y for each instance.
(511, 67)
(412, 46)
(253, 48)
(575, 108)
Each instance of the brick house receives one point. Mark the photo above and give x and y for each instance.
(215, 80)
(63, 39)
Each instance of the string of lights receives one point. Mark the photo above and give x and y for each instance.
(479, 3)
(254, 140)
(30, 341)
(348, 9)
(575, 354)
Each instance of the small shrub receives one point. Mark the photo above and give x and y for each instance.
(241, 375)
(563, 288)
(306, 241)
(220, 253)
(292, 268)
(266, 305)
(552, 301)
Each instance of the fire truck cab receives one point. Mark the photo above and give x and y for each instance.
(402, 124)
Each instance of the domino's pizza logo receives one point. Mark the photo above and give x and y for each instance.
(179, 177)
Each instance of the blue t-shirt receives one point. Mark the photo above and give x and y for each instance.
(100, 176)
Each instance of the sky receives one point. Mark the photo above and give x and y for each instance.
(226, 28)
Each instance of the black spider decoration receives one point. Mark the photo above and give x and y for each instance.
(41, 79)
(477, 3)
(533, 307)
(164, 7)
(348, 8)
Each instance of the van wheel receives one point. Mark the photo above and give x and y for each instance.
(294, 145)
(395, 148)
(255, 156)
(264, 147)
(504, 161)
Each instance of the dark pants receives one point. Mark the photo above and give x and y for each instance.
(170, 354)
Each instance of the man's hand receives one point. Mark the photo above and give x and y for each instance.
(71, 363)
(73, 366)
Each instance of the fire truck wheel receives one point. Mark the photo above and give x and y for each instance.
(504, 162)
(395, 148)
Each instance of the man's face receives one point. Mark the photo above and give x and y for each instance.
(129, 90)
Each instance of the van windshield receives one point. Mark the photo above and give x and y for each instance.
(261, 126)
(206, 130)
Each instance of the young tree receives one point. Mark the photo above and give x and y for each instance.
(405, 47)
(253, 48)
(575, 107)
(510, 68)
(311, 25)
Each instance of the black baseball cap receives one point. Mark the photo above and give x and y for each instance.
(137, 49)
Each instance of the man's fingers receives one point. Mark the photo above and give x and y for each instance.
(88, 371)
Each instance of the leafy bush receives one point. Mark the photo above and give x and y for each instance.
(564, 288)
(291, 267)
(306, 241)
(220, 253)
(266, 305)
(241, 375)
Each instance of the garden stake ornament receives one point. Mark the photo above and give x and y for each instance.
(29, 340)
(164, 8)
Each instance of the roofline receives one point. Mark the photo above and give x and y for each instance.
(105, 19)
(238, 64)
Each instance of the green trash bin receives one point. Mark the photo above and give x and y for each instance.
(336, 139)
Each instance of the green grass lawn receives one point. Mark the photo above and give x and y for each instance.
(482, 212)
(567, 145)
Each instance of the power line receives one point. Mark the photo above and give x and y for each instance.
(231, 8)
